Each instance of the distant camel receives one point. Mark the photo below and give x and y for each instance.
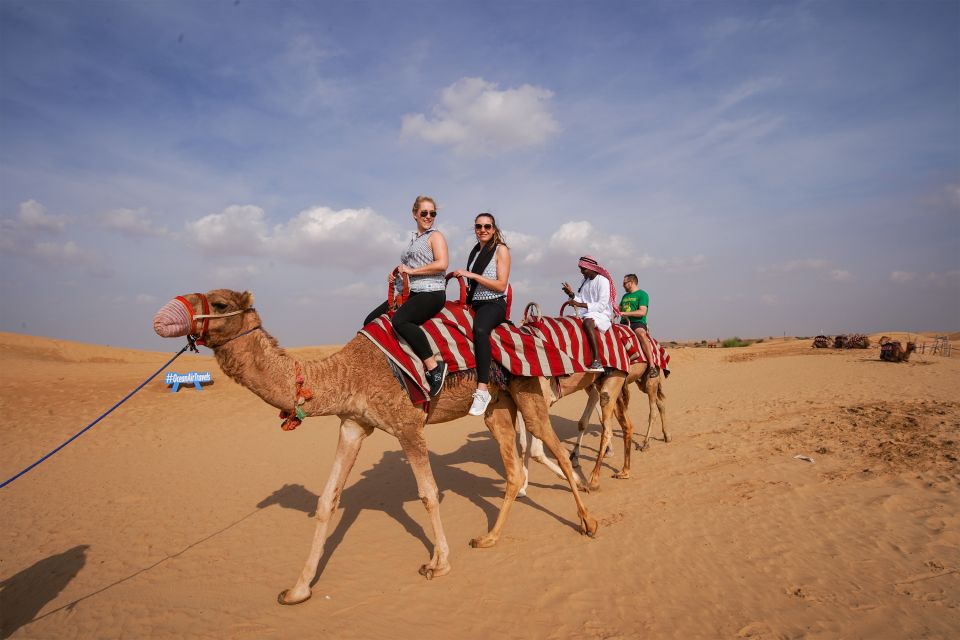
(356, 384)
(821, 342)
(610, 385)
(652, 387)
(857, 341)
(893, 351)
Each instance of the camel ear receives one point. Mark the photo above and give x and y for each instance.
(246, 300)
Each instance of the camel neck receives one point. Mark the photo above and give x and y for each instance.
(258, 363)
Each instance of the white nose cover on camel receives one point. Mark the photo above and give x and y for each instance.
(172, 320)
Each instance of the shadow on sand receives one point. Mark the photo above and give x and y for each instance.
(372, 491)
(23, 595)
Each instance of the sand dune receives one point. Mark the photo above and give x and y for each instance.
(182, 515)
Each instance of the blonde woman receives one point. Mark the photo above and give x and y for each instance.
(425, 263)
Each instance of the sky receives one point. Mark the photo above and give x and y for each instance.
(765, 168)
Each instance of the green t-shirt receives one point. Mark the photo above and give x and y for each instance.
(632, 302)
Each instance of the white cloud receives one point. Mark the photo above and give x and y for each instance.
(475, 117)
(932, 279)
(69, 254)
(841, 275)
(237, 275)
(682, 265)
(747, 89)
(351, 238)
(558, 254)
(33, 215)
(130, 222)
(796, 265)
(237, 230)
(953, 195)
(360, 291)
(345, 238)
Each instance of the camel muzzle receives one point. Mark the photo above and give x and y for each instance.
(173, 320)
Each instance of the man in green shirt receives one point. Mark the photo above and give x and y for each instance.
(633, 309)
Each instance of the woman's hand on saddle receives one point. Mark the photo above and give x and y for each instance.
(461, 273)
(402, 268)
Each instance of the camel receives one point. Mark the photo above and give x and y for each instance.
(356, 385)
(601, 388)
(533, 448)
(893, 351)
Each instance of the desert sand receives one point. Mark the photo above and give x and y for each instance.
(183, 515)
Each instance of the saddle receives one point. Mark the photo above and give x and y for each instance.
(450, 336)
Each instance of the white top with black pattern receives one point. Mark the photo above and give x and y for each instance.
(481, 293)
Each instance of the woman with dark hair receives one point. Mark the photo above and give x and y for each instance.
(488, 272)
(425, 263)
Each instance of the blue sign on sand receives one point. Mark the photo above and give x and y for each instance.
(194, 378)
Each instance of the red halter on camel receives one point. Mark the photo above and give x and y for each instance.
(176, 318)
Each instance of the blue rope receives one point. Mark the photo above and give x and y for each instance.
(90, 426)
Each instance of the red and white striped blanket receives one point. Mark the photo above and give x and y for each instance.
(450, 334)
(619, 347)
(545, 349)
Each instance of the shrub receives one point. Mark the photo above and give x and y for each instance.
(758, 341)
(734, 342)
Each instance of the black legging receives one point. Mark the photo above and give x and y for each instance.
(419, 307)
(488, 314)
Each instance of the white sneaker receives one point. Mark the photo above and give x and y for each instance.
(481, 399)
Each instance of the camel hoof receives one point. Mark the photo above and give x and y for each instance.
(482, 543)
(589, 527)
(622, 475)
(594, 485)
(644, 446)
(522, 493)
(282, 598)
(426, 572)
(667, 438)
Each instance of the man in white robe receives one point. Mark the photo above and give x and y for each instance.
(594, 301)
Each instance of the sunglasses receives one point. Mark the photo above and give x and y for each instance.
(485, 227)
(424, 213)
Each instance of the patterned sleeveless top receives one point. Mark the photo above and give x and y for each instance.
(481, 293)
(419, 254)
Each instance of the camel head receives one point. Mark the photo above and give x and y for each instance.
(213, 318)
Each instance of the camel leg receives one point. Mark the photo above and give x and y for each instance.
(662, 408)
(542, 429)
(610, 389)
(593, 401)
(533, 448)
(525, 447)
(415, 449)
(608, 453)
(620, 410)
(352, 435)
(500, 419)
